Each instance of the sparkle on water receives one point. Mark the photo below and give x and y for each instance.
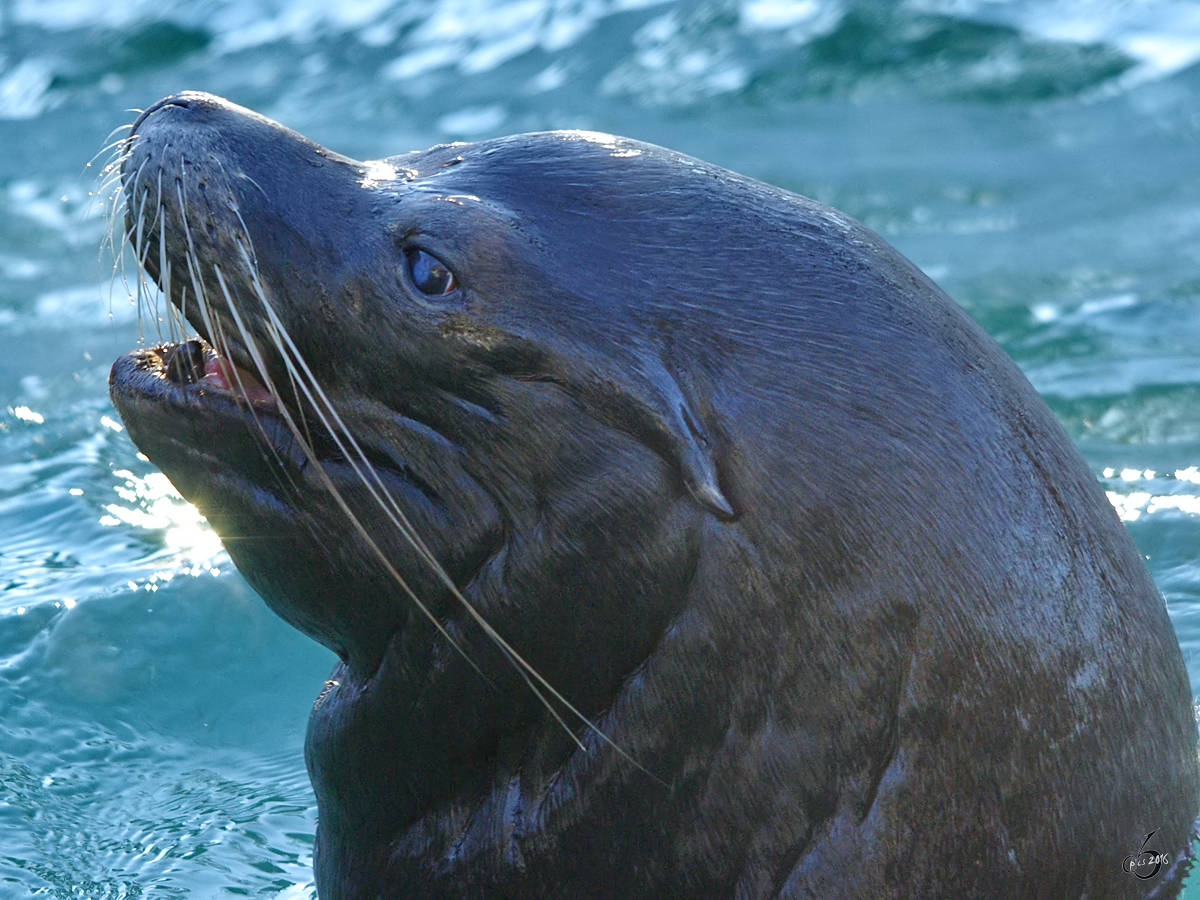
(154, 504)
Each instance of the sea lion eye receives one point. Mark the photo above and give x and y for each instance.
(429, 273)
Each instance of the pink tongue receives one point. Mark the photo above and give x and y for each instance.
(223, 374)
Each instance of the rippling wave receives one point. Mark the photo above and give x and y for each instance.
(653, 52)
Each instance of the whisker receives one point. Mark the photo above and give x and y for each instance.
(292, 375)
(260, 364)
(177, 322)
(121, 201)
(139, 251)
(216, 331)
(276, 339)
(136, 236)
(109, 192)
(250, 259)
(397, 517)
(193, 266)
(119, 148)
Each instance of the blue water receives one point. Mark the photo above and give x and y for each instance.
(1038, 159)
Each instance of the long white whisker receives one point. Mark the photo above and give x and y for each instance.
(139, 250)
(176, 321)
(397, 517)
(216, 331)
(112, 141)
(193, 266)
(250, 258)
(116, 206)
(260, 364)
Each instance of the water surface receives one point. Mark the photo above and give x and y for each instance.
(1038, 159)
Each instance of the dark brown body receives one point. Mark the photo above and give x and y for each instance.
(731, 474)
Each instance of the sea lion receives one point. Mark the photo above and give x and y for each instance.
(677, 537)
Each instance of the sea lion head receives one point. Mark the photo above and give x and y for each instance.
(424, 335)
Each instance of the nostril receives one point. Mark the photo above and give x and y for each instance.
(186, 100)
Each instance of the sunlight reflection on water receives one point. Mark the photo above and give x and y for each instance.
(154, 504)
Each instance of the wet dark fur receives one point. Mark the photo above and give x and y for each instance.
(725, 469)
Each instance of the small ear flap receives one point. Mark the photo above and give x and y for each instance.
(696, 463)
(640, 396)
(690, 445)
(700, 476)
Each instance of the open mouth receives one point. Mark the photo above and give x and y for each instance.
(195, 362)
